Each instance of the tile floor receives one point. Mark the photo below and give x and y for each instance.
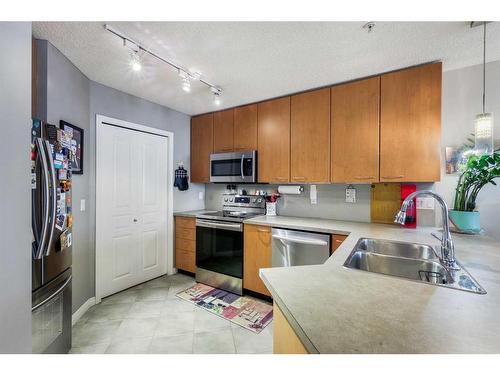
(149, 318)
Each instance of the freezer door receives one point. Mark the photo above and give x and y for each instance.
(294, 248)
(51, 316)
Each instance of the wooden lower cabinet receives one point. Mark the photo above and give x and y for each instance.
(285, 340)
(336, 241)
(185, 243)
(256, 255)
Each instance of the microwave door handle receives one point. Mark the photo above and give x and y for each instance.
(53, 200)
(45, 198)
(241, 166)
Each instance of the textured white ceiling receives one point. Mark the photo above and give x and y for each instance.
(253, 61)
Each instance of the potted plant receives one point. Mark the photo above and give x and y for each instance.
(478, 171)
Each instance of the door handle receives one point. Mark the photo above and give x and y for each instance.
(59, 290)
(45, 197)
(392, 177)
(53, 198)
(364, 177)
(135, 220)
(301, 240)
(241, 166)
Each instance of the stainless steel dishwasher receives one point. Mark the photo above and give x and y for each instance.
(297, 248)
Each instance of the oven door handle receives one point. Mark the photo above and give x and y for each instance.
(218, 225)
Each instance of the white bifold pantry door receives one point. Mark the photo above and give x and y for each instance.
(133, 187)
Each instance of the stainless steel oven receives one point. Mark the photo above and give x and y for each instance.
(219, 241)
(238, 167)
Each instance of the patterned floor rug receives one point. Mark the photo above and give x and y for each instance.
(247, 312)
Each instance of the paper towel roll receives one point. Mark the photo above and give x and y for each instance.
(290, 189)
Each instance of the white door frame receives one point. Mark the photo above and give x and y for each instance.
(100, 122)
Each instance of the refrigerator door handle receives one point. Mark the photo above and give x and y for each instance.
(53, 197)
(46, 203)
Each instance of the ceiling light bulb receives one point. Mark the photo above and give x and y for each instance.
(135, 62)
(186, 85)
(217, 100)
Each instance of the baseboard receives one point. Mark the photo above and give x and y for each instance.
(82, 310)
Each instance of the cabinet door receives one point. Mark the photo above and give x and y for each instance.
(273, 141)
(410, 124)
(223, 131)
(355, 132)
(256, 255)
(201, 147)
(310, 136)
(245, 128)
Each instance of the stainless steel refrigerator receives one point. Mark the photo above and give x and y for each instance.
(52, 221)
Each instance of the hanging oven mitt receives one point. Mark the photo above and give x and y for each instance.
(181, 179)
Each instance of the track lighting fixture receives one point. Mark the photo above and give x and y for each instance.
(137, 50)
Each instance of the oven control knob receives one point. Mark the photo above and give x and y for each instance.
(230, 199)
(225, 199)
(259, 200)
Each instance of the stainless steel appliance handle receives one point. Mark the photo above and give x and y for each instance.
(53, 199)
(219, 225)
(46, 193)
(300, 240)
(241, 166)
(53, 294)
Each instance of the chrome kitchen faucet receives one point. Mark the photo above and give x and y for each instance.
(447, 247)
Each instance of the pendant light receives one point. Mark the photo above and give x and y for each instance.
(483, 124)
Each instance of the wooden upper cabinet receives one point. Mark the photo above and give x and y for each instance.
(273, 141)
(310, 136)
(202, 140)
(355, 132)
(223, 131)
(410, 124)
(245, 128)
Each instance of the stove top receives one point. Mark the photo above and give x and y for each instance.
(237, 208)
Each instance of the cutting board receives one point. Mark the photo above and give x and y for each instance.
(385, 202)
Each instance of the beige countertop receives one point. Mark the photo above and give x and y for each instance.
(334, 309)
(193, 213)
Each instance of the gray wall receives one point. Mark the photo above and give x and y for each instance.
(15, 197)
(67, 98)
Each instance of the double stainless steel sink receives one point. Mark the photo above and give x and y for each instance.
(411, 261)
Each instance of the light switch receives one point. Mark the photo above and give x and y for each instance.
(425, 203)
(82, 204)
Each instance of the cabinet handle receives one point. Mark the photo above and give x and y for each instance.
(364, 177)
(300, 178)
(392, 177)
(282, 178)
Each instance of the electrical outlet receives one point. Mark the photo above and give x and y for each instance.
(82, 204)
(201, 195)
(313, 194)
(425, 203)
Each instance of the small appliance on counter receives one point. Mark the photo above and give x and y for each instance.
(271, 202)
(219, 241)
(52, 150)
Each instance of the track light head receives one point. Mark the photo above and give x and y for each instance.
(135, 61)
(186, 85)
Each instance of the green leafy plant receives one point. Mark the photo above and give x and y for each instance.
(479, 171)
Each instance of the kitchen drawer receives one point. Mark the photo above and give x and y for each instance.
(185, 222)
(336, 241)
(185, 245)
(185, 261)
(185, 233)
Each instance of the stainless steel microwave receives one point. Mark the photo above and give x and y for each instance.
(235, 167)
